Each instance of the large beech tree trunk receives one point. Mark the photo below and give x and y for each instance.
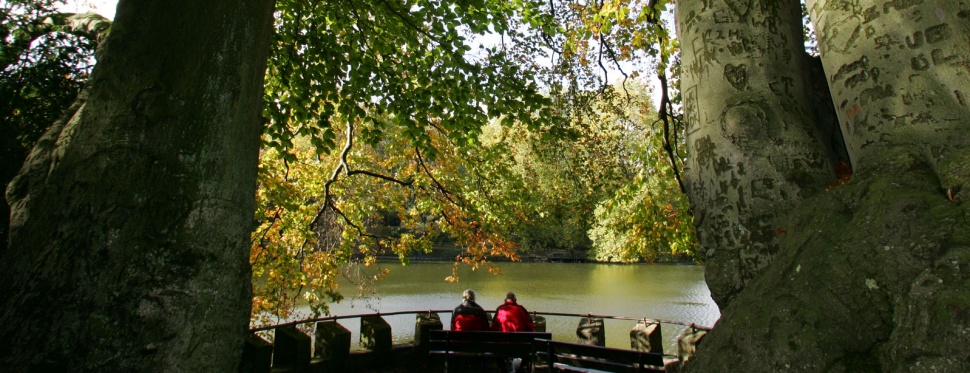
(129, 228)
(755, 152)
(871, 275)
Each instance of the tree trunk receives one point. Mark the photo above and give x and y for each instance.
(754, 150)
(130, 219)
(874, 274)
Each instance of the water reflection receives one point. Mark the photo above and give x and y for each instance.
(666, 292)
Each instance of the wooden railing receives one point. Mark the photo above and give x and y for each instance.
(327, 347)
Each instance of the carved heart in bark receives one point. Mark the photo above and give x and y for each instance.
(741, 8)
(737, 76)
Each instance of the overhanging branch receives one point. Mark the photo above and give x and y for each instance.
(666, 107)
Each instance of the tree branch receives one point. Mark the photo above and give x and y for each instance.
(664, 113)
(344, 166)
(444, 191)
(408, 182)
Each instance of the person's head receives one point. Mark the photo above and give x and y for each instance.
(510, 296)
(468, 295)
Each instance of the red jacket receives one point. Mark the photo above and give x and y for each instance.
(469, 316)
(511, 317)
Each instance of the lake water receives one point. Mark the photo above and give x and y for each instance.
(663, 292)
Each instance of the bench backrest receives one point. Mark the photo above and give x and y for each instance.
(513, 344)
(563, 355)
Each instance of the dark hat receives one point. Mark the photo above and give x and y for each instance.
(510, 295)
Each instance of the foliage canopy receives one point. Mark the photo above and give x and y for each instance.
(389, 131)
(375, 142)
(45, 58)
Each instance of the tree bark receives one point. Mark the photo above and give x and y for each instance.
(898, 75)
(130, 219)
(754, 152)
(874, 274)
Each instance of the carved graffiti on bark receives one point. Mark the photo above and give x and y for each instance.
(870, 14)
(704, 147)
(915, 41)
(886, 42)
(691, 113)
(842, 35)
(920, 63)
(845, 70)
(940, 59)
(900, 5)
(741, 8)
(744, 122)
(737, 76)
(783, 86)
(877, 93)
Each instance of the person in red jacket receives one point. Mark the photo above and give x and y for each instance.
(469, 316)
(511, 317)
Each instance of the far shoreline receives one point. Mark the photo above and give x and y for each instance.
(443, 259)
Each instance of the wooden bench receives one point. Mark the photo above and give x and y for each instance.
(554, 356)
(481, 348)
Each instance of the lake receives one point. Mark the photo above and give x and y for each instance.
(663, 292)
